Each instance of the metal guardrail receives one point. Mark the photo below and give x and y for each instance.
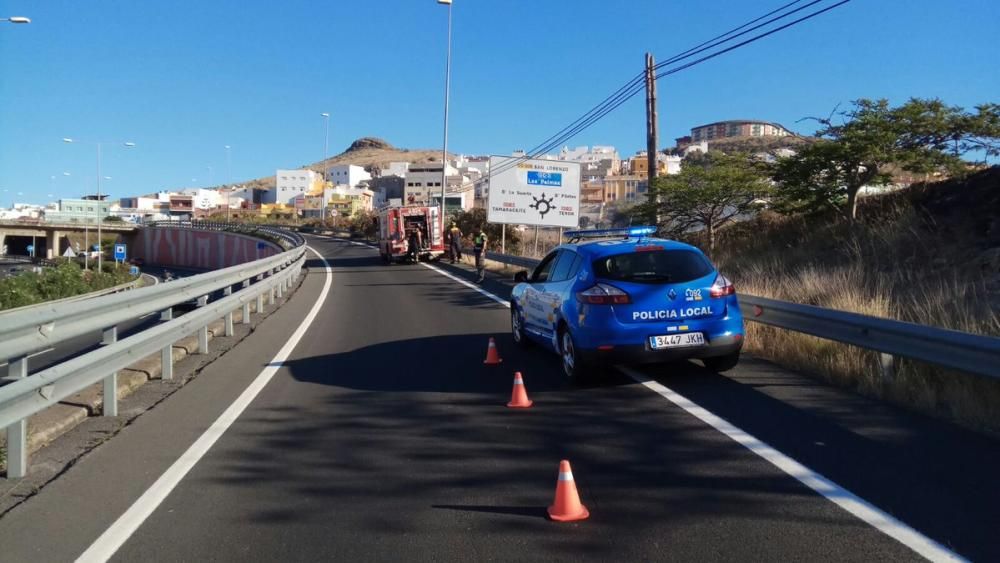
(17, 258)
(24, 332)
(963, 351)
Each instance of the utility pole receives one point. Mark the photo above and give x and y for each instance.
(652, 135)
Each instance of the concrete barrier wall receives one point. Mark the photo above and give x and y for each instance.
(208, 250)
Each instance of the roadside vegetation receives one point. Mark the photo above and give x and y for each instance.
(66, 280)
(806, 226)
(927, 254)
(469, 221)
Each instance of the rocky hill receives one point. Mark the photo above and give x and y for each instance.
(368, 152)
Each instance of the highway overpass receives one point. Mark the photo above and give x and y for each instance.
(51, 239)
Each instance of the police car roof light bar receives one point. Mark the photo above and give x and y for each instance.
(625, 232)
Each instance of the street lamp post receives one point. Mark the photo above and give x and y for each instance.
(100, 219)
(326, 151)
(447, 88)
(229, 180)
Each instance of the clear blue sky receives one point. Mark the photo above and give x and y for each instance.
(184, 78)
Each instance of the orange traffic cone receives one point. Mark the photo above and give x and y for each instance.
(519, 396)
(567, 506)
(492, 356)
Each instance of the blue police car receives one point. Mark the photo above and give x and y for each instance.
(615, 296)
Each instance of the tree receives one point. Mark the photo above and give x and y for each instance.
(873, 139)
(710, 191)
(622, 214)
(364, 223)
(469, 221)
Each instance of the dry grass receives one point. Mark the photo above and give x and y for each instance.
(929, 255)
(899, 263)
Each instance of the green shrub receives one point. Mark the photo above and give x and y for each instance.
(65, 280)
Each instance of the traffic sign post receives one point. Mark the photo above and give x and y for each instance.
(542, 193)
(119, 253)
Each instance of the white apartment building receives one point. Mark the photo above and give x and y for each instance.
(396, 169)
(347, 174)
(203, 199)
(423, 187)
(290, 184)
(586, 154)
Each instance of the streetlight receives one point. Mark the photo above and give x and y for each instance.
(229, 180)
(447, 88)
(16, 19)
(100, 219)
(326, 139)
(326, 150)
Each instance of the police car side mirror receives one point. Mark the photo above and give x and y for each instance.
(521, 277)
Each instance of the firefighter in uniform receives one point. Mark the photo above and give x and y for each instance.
(479, 247)
(455, 243)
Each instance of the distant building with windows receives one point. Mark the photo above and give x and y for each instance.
(290, 184)
(347, 174)
(735, 128)
(423, 187)
(88, 209)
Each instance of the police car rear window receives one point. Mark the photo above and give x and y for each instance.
(667, 266)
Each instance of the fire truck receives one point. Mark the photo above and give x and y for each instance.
(397, 222)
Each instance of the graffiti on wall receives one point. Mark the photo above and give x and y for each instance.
(207, 250)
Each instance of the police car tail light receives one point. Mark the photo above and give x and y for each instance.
(603, 294)
(722, 287)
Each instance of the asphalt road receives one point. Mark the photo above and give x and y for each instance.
(384, 437)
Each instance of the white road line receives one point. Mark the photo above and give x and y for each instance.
(468, 284)
(123, 528)
(843, 498)
(833, 492)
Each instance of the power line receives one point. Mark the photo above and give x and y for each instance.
(640, 77)
(634, 86)
(751, 40)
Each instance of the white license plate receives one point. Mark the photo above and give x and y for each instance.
(680, 340)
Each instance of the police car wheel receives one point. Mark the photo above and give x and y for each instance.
(573, 365)
(517, 328)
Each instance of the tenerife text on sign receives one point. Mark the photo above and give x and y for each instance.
(534, 192)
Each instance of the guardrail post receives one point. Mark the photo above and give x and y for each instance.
(246, 306)
(229, 316)
(888, 364)
(17, 433)
(203, 331)
(280, 286)
(270, 298)
(167, 353)
(110, 393)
